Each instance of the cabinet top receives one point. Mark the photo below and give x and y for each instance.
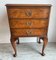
(28, 5)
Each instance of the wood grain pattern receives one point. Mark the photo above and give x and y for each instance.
(28, 32)
(28, 23)
(28, 12)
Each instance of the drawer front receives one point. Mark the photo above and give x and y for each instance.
(39, 12)
(28, 32)
(28, 23)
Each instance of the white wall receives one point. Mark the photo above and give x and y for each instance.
(4, 26)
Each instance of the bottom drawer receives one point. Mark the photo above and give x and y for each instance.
(28, 32)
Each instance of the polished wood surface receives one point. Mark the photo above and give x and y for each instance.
(39, 12)
(28, 20)
(28, 32)
(28, 23)
(32, 5)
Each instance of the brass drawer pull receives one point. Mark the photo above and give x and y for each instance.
(28, 23)
(28, 13)
(28, 32)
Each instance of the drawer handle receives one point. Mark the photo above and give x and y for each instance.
(28, 23)
(29, 32)
(28, 13)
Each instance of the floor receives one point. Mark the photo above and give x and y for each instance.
(28, 51)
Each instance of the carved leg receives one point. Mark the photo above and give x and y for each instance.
(14, 46)
(45, 40)
(18, 41)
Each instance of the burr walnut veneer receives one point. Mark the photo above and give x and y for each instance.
(28, 20)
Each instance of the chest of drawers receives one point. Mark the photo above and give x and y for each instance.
(28, 20)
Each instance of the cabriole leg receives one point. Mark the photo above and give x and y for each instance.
(18, 41)
(39, 40)
(14, 46)
(45, 40)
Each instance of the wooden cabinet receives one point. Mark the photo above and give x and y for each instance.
(28, 20)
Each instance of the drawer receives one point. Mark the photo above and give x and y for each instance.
(28, 23)
(28, 32)
(39, 12)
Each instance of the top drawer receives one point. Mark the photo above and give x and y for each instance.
(26, 12)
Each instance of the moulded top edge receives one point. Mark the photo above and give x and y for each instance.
(28, 5)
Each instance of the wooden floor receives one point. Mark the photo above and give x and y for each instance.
(28, 51)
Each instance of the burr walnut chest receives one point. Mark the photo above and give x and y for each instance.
(28, 20)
